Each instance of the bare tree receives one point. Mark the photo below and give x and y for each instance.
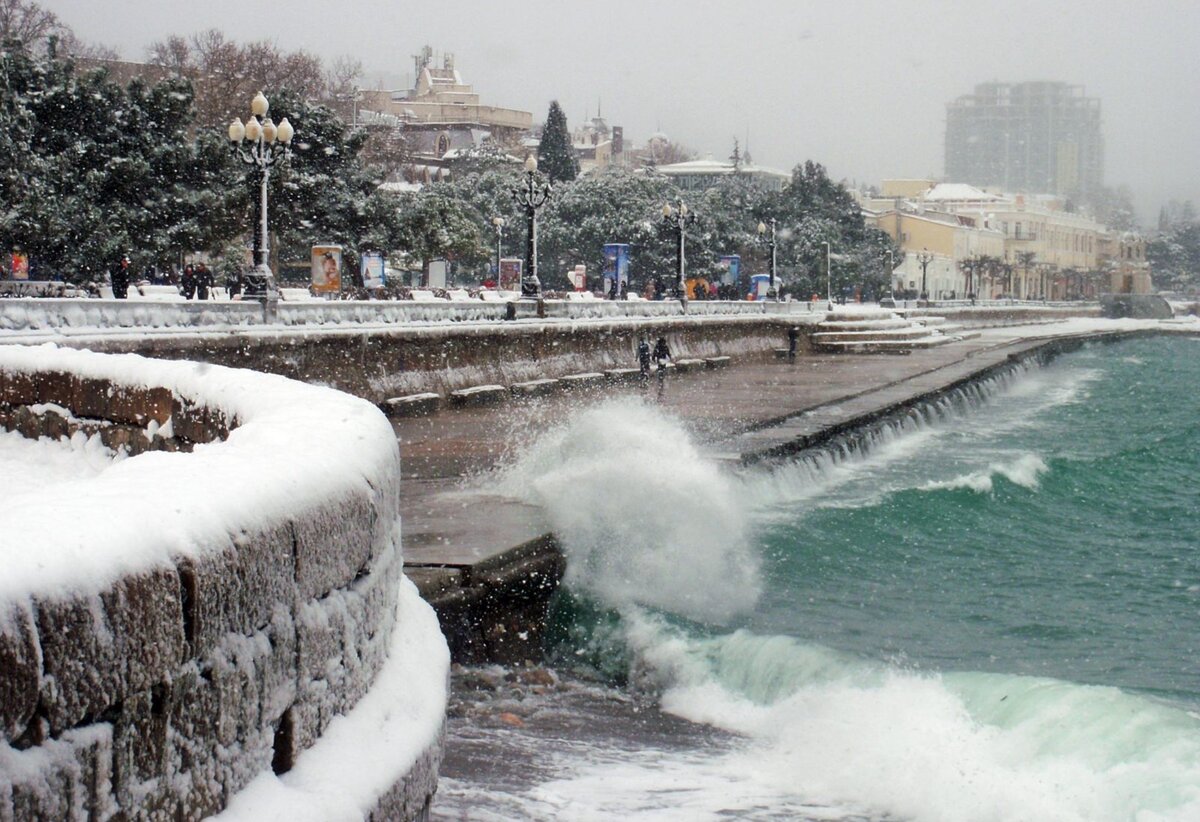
(27, 22)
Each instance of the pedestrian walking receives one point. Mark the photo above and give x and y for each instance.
(662, 355)
(119, 276)
(643, 353)
(187, 282)
(204, 281)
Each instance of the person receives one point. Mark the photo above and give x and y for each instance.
(120, 279)
(659, 288)
(643, 353)
(234, 285)
(624, 290)
(662, 353)
(187, 282)
(204, 281)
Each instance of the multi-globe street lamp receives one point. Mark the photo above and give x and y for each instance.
(531, 196)
(678, 219)
(260, 144)
(924, 259)
(828, 274)
(772, 294)
(498, 222)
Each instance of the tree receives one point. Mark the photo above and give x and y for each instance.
(27, 23)
(556, 157)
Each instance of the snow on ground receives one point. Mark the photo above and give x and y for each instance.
(1089, 325)
(40, 466)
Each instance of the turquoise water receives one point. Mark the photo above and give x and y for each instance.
(992, 612)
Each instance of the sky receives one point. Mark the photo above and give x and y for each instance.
(857, 85)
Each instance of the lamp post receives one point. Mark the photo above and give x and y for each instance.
(924, 259)
(498, 222)
(267, 144)
(679, 219)
(772, 294)
(828, 275)
(531, 197)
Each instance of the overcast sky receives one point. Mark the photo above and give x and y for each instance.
(858, 86)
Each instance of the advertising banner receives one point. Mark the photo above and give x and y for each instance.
(510, 274)
(371, 268)
(20, 265)
(326, 269)
(732, 268)
(616, 267)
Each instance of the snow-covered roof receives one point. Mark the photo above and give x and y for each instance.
(719, 167)
(946, 192)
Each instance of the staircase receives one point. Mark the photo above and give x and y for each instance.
(879, 331)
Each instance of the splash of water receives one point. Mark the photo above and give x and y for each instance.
(641, 515)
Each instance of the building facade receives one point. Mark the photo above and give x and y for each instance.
(1040, 136)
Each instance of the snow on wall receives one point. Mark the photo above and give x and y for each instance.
(183, 622)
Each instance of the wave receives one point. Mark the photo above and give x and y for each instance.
(1024, 471)
(641, 515)
(892, 742)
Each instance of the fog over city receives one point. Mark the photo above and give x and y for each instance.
(861, 87)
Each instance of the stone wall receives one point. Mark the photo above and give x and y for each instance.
(162, 693)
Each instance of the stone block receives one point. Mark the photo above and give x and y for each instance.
(195, 423)
(138, 405)
(98, 649)
(20, 670)
(717, 362)
(334, 543)
(140, 750)
(55, 387)
(623, 374)
(478, 395)
(590, 379)
(410, 797)
(534, 388)
(413, 405)
(689, 365)
(236, 588)
(67, 778)
(90, 397)
(19, 388)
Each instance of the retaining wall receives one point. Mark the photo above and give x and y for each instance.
(154, 662)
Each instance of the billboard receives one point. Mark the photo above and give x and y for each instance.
(510, 274)
(731, 265)
(326, 269)
(616, 267)
(371, 268)
(20, 265)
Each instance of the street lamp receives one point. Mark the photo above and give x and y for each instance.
(531, 197)
(828, 274)
(679, 219)
(498, 222)
(772, 294)
(268, 143)
(924, 259)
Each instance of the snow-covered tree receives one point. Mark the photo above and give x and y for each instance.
(556, 157)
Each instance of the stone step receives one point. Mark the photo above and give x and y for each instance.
(412, 405)
(908, 333)
(717, 362)
(534, 388)
(478, 395)
(588, 379)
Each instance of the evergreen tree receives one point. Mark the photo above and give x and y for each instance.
(556, 158)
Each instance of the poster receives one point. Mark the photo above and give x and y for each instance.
(732, 265)
(371, 268)
(510, 274)
(326, 269)
(616, 267)
(20, 265)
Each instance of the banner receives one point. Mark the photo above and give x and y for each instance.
(20, 265)
(326, 269)
(732, 265)
(371, 268)
(616, 267)
(510, 274)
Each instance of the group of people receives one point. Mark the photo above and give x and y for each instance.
(660, 356)
(195, 281)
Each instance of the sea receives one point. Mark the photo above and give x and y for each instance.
(986, 610)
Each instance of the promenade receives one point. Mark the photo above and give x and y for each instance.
(459, 540)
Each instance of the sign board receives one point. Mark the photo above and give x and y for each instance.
(616, 267)
(20, 265)
(326, 269)
(510, 274)
(371, 268)
(437, 274)
(578, 277)
(731, 265)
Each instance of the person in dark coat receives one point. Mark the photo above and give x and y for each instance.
(120, 279)
(662, 353)
(187, 282)
(643, 353)
(204, 281)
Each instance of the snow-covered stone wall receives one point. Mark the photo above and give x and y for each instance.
(195, 618)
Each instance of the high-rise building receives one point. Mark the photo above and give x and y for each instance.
(1036, 137)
